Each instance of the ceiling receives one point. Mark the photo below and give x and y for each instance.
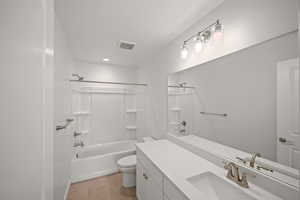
(94, 27)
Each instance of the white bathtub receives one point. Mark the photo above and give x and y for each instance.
(100, 160)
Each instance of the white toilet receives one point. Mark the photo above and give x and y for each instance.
(127, 166)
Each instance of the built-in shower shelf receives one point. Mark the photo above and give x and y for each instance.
(81, 113)
(131, 111)
(175, 109)
(131, 128)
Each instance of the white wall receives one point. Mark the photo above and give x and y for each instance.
(246, 91)
(156, 102)
(246, 23)
(26, 99)
(63, 140)
(105, 72)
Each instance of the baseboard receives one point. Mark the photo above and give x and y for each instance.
(93, 175)
(67, 190)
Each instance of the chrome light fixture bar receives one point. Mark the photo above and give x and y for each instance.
(214, 30)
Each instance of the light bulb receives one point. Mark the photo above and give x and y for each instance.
(218, 36)
(184, 52)
(218, 32)
(198, 46)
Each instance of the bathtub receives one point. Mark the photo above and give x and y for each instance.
(99, 160)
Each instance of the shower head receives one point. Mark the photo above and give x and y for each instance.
(80, 78)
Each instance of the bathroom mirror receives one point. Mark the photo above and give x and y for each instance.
(248, 102)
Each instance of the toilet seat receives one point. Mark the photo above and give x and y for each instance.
(127, 162)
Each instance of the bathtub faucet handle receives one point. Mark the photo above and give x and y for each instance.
(76, 134)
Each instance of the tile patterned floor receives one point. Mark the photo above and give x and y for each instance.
(102, 188)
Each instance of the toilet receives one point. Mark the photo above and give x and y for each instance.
(127, 165)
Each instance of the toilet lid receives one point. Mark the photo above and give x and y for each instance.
(128, 161)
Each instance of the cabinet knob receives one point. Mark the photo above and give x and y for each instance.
(282, 140)
(285, 141)
(145, 176)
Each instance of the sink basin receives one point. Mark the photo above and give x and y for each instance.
(216, 188)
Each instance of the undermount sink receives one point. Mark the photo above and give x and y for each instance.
(216, 188)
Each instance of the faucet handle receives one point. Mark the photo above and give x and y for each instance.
(226, 165)
(253, 158)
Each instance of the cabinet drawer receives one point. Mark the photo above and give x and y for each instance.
(171, 192)
(150, 169)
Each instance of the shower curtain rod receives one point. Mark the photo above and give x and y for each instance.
(108, 82)
(176, 86)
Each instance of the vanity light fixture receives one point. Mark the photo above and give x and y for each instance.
(214, 31)
(106, 59)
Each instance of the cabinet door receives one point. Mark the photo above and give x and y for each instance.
(154, 190)
(140, 182)
(147, 186)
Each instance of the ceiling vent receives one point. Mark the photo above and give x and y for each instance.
(127, 45)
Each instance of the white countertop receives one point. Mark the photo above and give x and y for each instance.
(178, 164)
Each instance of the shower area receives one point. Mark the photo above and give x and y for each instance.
(182, 104)
(189, 110)
(181, 109)
(109, 120)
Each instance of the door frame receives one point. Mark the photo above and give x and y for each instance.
(48, 99)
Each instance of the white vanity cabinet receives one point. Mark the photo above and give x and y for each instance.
(151, 184)
(149, 180)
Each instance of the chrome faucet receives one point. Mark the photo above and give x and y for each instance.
(233, 174)
(78, 144)
(253, 158)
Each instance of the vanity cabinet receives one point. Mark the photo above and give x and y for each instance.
(151, 184)
(149, 181)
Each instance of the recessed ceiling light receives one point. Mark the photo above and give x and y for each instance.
(106, 59)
